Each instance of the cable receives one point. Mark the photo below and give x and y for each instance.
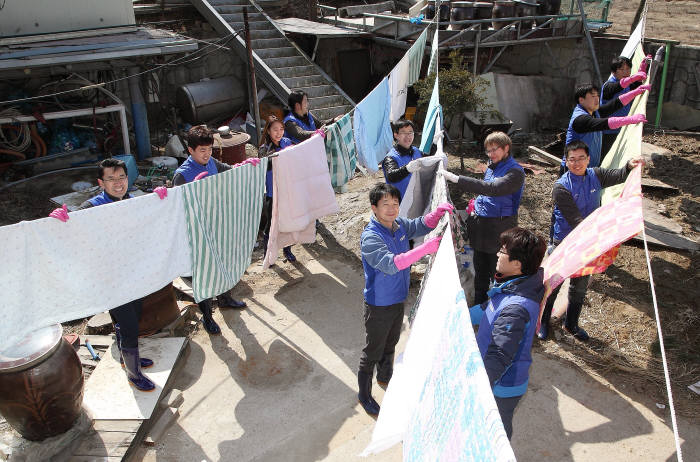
(23, 133)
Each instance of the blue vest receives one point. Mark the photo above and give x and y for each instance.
(402, 161)
(383, 289)
(594, 140)
(103, 198)
(585, 190)
(499, 206)
(190, 168)
(514, 380)
(622, 112)
(311, 126)
(284, 142)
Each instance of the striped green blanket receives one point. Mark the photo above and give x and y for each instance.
(340, 150)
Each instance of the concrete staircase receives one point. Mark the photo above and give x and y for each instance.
(279, 63)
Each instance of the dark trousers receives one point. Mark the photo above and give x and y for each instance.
(382, 332)
(506, 407)
(484, 269)
(577, 295)
(267, 214)
(127, 316)
(608, 140)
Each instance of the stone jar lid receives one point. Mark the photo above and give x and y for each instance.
(31, 350)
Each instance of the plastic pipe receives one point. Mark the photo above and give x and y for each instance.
(138, 113)
(660, 102)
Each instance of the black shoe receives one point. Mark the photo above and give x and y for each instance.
(543, 332)
(364, 382)
(578, 333)
(225, 300)
(287, 251)
(207, 318)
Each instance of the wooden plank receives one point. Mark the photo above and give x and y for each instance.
(97, 340)
(672, 240)
(652, 183)
(544, 155)
(653, 219)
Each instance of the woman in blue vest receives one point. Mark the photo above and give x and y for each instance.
(576, 195)
(494, 210)
(273, 141)
(299, 123)
(589, 119)
(620, 82)
(507, 321)
(404, 158)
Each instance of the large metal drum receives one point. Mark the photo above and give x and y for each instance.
(201, 102)
(41, 384)
(158, 310)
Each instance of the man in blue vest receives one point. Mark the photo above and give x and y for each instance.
(620, 82)
(299, 123)
(494, 210)
(404, 158)
(113, 179)
(387, 261)
(589, 119)
(199, 164)
(576, 195)
(508, 319)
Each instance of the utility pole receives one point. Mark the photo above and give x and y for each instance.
(251, 73)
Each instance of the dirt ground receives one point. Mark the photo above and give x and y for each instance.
(666, 19)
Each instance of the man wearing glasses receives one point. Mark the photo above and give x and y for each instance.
(576, 195)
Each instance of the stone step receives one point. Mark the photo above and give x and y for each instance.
(229, 2)
(296, 71)
(254, 25)
(285, 52)
(252, 17)
(318, 90)
(331, 112)
(259, 44)
(257, 34)
(303, 81)
(326, 101)
(235, 9)
(289, 61)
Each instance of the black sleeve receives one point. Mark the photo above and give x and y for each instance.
(608, 108)
(320, 123)
(610, 89)
(295, 131)
(507, 334)
(611, 176)
(393, 172)
(221, 167)
(510, 183)
(85, 205)
(565, 202)
(178, 179)
(587, 123)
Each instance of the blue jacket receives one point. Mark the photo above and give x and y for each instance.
(622, 112)
(594, 140)
(190, 168)
(402, 161)
(384, 283)
(585, 190)
(311, 126)
(499, 206)
(271, 148)
(103, 198)
(507, 324)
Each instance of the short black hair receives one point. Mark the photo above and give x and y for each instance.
(584, 89)
(573, 146)
(199, 135)
(383, 189)
(402, 123)
(617, 63)
(110, 163)
(524, 246)
(296, 96)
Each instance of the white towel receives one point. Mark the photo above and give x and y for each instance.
(398, 88)
(101, 258)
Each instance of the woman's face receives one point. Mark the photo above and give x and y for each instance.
(276, 132)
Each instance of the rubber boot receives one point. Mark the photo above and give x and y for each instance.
(133, 370)
(226, 300)
(364, 382)
(543, 332)
(573, 311)
(207, 320)
(145, 362)
(287, 251)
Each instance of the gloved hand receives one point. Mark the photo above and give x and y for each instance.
(406, 259)
(60, 213)
(432, 219)
(162, 192)
(201, 175)
(449, 176)
(471, 206)
(617, 122)
(627, 81)
(645, 62)
(322, 132)
(254, 161)
(627, 98)
(413, 166)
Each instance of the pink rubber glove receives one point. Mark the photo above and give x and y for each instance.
(60, 213)
(406, 259)
(471, 206)
(321, 132)
(627, 98)
(617, 122)
(162, 192)
(201, 175)
(254, 161)
(645, 62)
(627, 81)
(432, 219)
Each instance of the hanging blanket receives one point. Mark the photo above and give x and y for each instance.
(223, 216)
(432, 119)
(372, 127)
(415, 57)
(340, 151)
(398, 88)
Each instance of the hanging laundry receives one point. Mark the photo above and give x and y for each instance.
(433, 66)
(102, 257)
(340, 151)
(433, 118)
(302, 192)
(398, 88)
(372, 128)
(415, 57)
(223, 216)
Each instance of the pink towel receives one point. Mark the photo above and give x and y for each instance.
(302, 192)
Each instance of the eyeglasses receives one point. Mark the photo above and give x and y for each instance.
(502, 251)
(492, 150)
(112, 180)
(576, 160)
(406, 133)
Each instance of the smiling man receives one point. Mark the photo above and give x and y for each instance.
(404, 158)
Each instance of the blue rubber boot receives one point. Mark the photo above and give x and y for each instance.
(287, 251)
(133, 370)
(145, 362)
(364, 382)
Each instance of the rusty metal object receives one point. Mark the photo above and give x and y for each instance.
(159, 309)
